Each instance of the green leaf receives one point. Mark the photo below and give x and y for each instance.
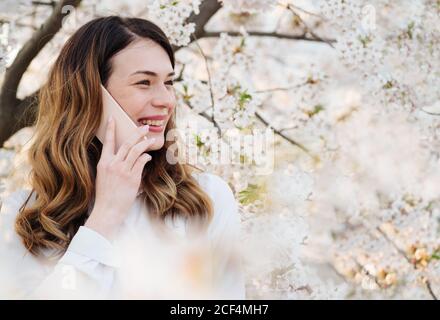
(199, 142)
(316, 109)
(364, 40)
(410, 29)
(243, 98)
(388, 85)
(252, 193)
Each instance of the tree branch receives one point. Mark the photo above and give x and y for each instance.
(210, 86)
(303, 36)
(207, 10)
(279, 133)
(41, 3)
(32, 47)
(303, 10)
(207, 117)
(9, 103)
(306, 26)
(426, 281)
(296, 86)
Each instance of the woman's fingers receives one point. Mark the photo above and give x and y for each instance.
(124, 149)
(136, 151)
(108, 146)
(140, 163)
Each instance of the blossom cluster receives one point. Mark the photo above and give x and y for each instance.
(171, 15)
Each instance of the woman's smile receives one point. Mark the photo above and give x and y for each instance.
(156, 122)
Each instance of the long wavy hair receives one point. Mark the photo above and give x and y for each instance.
(65, 151)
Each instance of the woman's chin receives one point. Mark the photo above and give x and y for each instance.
(155, 146)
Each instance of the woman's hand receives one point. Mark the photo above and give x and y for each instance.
(118, 179)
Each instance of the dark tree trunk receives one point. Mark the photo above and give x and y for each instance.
(13, 112)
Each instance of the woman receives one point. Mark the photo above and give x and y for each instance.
(85, 231)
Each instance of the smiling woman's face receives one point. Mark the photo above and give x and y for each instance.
(141, 81)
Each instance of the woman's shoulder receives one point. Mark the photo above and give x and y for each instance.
(214, 185)
(208, 178)
(224, 202)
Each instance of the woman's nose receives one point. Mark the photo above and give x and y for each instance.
(164, 98)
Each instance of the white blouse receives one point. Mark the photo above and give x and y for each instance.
(139, 263)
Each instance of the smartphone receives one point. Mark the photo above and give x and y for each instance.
(125, 127)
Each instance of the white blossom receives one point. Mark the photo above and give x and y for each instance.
(171, 16)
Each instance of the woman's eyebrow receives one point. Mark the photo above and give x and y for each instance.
(151, 73)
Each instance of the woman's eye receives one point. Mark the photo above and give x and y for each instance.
(146, 82)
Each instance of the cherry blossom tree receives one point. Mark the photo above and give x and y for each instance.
(338, 100)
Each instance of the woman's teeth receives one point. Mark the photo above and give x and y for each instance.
(153, 122)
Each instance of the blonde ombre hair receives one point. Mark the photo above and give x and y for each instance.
(65, 151)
